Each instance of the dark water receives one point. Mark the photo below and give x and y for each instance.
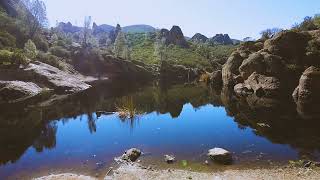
(72, 134)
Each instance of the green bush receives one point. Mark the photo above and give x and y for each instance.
(41, 43)
(7, 40)
(8, 58)
(59, 51)
(5, 56)
(30, 49)
(19, 57)
(49, 59)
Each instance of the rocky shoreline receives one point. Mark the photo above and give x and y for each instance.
(137, 171)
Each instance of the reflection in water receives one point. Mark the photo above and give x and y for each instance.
(23, 125)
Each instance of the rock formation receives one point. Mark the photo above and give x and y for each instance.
(17, 90)
(220, 39)
(199, 38)
(68, 27)
(306, 94)
(174, 36)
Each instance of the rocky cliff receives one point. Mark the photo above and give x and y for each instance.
(220, 39)
(277, 66)
(174, 36)
(199, 38)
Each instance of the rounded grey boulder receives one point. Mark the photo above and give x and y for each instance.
(131, 155)
(220, 155)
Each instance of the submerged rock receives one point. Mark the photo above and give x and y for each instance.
(131, 155)
(220, 155)
(15, 90)
(169, 158)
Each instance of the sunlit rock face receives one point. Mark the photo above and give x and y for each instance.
(306, 95)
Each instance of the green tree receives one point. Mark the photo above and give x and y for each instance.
(316, 20)
(121, 48)
(30, 49)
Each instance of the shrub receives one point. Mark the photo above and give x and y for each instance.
(205, 77)
(5, 56)
(17, 57)
(49, 59)
(30, 49)
(7, 40)
(127, 108)
(41, 43)
(59, 51)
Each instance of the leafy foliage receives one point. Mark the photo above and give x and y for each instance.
(60, 51)
(30, 49)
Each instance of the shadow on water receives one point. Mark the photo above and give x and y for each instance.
(34, 124)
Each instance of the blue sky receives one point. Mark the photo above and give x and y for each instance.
(238, 18)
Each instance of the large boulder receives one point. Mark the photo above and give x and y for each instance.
(220, 155)
(17, 90)
(309, 86)
(131, 155)
(307, 95)
(289, 45)
(262, 63)
(231, 68)
(264, 86)
(54, 78)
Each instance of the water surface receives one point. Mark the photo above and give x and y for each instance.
(78, 134)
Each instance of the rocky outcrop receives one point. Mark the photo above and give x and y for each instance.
(263, 86)
(260, 85)
(100, 29)
(263, 63)
(230, 70)
(306, 95)
(199, 38)
(289, 45)
(68, 27)
(243, 90)
(174, 36)
(220, 39)
(17, 90)
(49, 76)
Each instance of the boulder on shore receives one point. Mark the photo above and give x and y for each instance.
(17, 90)
(220, 155)
(131, 155)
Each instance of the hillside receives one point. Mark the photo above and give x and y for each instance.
(141, 28)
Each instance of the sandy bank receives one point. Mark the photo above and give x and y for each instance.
(137, 172)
